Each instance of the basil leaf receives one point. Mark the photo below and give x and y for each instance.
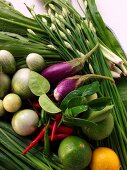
(75, 111)
(47, 104)
(85, 90)
(89, 89)
(79, 122)
(38, 84)
(65, 101)
(76, 101)
(99, 103)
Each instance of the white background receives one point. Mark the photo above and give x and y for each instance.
(114, 13)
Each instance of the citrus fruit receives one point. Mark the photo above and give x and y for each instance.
(74, 153)
(102, 130)
(104, 158)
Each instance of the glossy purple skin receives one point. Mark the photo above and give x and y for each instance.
(57, 72)
(64, 87)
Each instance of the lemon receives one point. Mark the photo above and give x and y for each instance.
(104, 158)
(74, 153)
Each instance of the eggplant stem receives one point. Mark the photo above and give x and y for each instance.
(86, 56)
(96, 76)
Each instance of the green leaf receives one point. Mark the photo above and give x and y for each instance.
(79, 122)
(76, 101)
(75, 111)
(97, 116)
(65, 101)
(99, 103)
(89, 89)
(47, 104)
(38, 84)
(85, 90)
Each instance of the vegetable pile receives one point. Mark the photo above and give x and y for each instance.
(61, 102)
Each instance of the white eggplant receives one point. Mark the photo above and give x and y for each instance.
(7, 61)
(35, 62)
(5, 83)
(24, 122)
(20, 83)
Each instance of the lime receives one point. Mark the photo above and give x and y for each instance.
(74, 153)
(102, 130)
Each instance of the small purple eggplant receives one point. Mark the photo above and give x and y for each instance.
(57, 72)
(71, 83)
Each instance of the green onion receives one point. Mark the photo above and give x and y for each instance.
(63, 35)
(84, 38)
(13, 21)
(20, 47)
(15, 144)
(118, 139)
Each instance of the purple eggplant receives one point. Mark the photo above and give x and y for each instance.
(71, 83)
(57, 72)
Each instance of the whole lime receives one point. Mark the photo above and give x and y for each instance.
(100, 131)
(74, 153)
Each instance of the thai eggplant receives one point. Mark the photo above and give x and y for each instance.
(71, 83)
(57, 72)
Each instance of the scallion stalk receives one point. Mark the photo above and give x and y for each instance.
(98, 62)
(15, 144)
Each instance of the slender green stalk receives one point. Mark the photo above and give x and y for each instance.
(16, 144)
(33, 159)
(105, 34)
(100, 67)
(80, 39)
(5, 161)
(17, 22)
(14, 159)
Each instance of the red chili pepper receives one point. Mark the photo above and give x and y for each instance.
(60, 136)
(63, 129)
(36, 105)
(54, 127)
(35, 141)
